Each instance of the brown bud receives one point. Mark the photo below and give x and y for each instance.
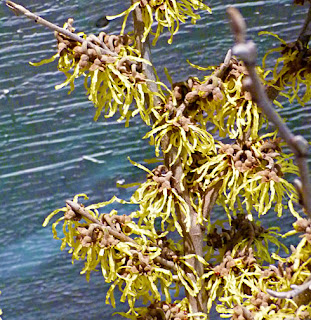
(77, 50)
(84, 57)
(86, 241)
(192, 96)
(107, 59)
(61, 48)
(83, 64)
(178, 92)
(217, 94)
(92, 54)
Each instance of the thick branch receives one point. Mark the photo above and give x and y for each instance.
(193, 240)
(209, 200)
(20, 9)
(76, 207)
(144, 48)
(247, 52)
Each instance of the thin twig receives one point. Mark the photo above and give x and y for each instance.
(224, 66)
(304, 37)
(297, 289)
(305, 33)
(76, 207)
(247, 52)
(18, 9)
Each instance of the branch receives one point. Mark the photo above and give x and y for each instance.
(144, 48)
(304, 38)
(305, 33)
(77, 208)
(209, 199)
(292, 293)
(18, 9)
(224, 66)
(193, 240)
(247, 52)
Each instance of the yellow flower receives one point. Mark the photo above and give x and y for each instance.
(252, 177)
(113, 74)
(166, 13)
(291, 72)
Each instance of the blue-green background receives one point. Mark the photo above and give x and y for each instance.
(44, 135)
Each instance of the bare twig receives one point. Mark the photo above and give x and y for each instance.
(224, 66)
(20, 9)
(247, 52)
(304, 38)
(297, 290)
(76, 207)
(305, 33)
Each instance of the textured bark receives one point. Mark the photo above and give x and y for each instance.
(193, 240)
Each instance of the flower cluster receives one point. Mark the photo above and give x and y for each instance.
(163, 310)
(112, 68)
(241, 283)
(131, 256)
(219, 99)
(103, 241)
(243, 232)
(187, 136)
(291, 72)
(166, 13)
(252, 176)
(158, 199)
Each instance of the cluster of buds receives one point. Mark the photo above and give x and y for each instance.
(242, 155)
(235, 69)
(71, 215)
(116, 221)
(243, 257)
(283, 270)
(241, 313)
(247, 257)
(163, 177)
(96, 233)
(241, 227)
(304, 225)
(91, 234)
(262, 299)
(164, 311)
(166, 252)
(191, 91)
(98, 51)
(270, 149)
(137, 263)
(224, 268)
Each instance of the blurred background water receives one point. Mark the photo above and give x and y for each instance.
(50, 149)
